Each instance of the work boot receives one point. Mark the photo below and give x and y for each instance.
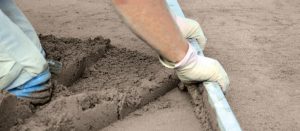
(37, 91)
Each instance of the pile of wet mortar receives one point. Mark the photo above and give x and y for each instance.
(99, 84)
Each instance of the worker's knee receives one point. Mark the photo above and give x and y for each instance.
(20, 60)
(12, 11)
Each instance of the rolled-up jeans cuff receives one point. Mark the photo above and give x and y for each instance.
(23, 78)
(20, 75)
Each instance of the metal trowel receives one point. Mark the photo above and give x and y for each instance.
(55, 67)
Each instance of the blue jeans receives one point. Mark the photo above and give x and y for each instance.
(21, 55)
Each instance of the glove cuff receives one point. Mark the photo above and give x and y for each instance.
(166, 63)
(190, 54)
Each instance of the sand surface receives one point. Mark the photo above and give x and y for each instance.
(172, 112)
(107, 83)
(256, 41)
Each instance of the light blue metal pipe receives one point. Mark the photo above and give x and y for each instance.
(224, 115)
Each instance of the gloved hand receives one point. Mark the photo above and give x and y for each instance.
(37, 90)
(191, 29)
(195, 68)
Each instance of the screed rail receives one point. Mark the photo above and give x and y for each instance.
(223, 115)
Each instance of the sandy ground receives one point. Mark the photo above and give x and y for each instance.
(102, 84)
(172, 112)
(256, 41)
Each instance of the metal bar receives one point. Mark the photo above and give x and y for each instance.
(223, 114)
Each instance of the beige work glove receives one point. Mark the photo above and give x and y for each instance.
(195, 68)
(191, 29)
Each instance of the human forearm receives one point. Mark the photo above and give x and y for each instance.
(152, 22)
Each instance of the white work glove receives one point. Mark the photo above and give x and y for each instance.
(195, 68)
(191, 29)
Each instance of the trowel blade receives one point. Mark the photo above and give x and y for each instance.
(54, 66)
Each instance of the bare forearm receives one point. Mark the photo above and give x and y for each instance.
(151, 21)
